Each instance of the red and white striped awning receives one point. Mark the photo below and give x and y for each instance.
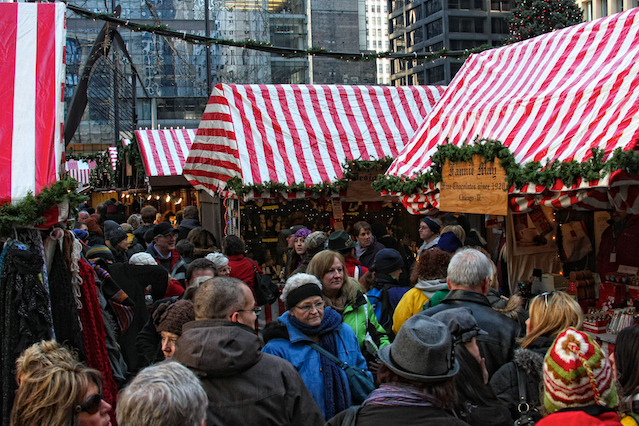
(33, 72)
(553, 97)
(300, 133)
(113, 155)
(80, 170)
(164, 151)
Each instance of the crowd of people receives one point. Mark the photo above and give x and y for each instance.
(366, 334)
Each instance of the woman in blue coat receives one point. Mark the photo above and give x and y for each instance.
(308, 321)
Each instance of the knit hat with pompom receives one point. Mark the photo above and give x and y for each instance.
(577, 373)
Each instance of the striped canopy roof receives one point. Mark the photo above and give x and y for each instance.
(300, 133)
(32, 69)
(553, 97)
(164, 151)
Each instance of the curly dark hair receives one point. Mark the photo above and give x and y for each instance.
(432, 265)
(232, 245)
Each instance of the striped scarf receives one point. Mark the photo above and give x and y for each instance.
(396, 394)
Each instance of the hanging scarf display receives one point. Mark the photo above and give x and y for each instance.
(335, 386)
(24, 309)
(63, 305)
(93, 333)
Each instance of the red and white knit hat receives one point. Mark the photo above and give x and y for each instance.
(577, 373)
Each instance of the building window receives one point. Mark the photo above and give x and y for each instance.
(413, 16)
(415, 37)
(454, 68)
(465, 25)
(465, 44)
(433, 29)
(436, 47)
(499, 26)
(466, 4)
(433, 6)
(501, 5)
(435, 74)
(604, 8)
(588, 11)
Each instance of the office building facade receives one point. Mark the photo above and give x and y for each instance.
(432, 25)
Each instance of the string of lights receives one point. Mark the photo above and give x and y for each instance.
(263, 46)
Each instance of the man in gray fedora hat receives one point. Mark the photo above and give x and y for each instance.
(469, 273)
(416, 379)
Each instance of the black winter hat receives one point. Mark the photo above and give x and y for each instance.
(388, 260)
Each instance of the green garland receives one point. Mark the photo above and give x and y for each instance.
(103, 175)
(534, 172)
(350, 168)
(132, 154)
(267, 47)
(29, 212)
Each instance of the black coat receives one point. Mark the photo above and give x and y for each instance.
(399, 415)
(498, 345)
(504, 382)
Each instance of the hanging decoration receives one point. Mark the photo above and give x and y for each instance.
(30, 211)
(263, 46)
(518, 175)
(350, 168)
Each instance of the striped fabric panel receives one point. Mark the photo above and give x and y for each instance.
(113, 155)
(32, 66)
(80, 170)
(301, 133)
(164, 152)
(553, 97)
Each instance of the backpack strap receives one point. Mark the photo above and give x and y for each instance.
(350, 419)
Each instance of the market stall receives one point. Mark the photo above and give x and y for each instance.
(558, 114)
(164, 152)
(41, 295)
(270, 145)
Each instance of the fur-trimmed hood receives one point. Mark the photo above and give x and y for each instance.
(531, 359)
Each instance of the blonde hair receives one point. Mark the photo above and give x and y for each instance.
(457, 230)
(550, 314)
(51, 386)
(42, 355)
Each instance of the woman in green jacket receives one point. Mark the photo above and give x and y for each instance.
(344, 295)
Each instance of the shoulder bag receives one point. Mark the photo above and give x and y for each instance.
(266, 291)
(523, 407)
(359, 382)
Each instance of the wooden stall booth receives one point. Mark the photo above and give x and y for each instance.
(548, 126)
(275, 152)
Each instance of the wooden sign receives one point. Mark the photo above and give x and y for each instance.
(360, 189)
(338, 213)
(474, 187)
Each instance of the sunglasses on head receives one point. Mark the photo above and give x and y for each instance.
(546, 296)
(91, 405)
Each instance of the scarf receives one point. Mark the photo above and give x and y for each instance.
(396, 394)
(338, 304)
(335, 386)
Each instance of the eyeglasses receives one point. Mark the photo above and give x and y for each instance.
(256, 311)
(307, 308)
(91, 405)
